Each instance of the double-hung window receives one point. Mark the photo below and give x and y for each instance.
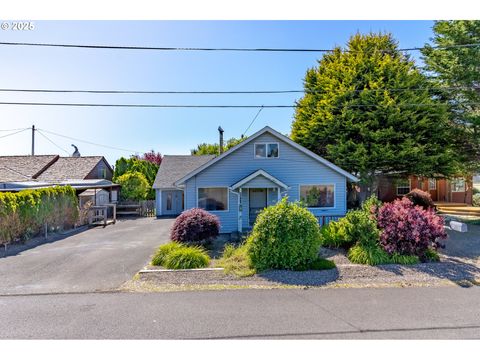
(458, 185)
(432, 184)
(403, 186)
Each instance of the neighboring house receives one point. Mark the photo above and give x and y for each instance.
(40, 171)
(458, 190)
(252, 175)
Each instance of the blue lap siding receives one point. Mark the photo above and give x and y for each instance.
(292, 167)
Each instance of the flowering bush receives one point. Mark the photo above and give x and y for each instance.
(421, 198)
(195, 225)
(407, 229)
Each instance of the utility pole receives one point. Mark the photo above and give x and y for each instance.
(33, 140)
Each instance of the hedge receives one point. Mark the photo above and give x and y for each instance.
(24, 214)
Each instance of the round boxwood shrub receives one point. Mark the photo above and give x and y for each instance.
(195, 226)
(191, 257)
(421, 198)
(285, 236)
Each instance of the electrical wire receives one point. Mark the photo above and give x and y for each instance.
(49, 140)
(120, 47)
(17, 132)
(251, 123)
(90, 142)
(234, 92)
(221, 106)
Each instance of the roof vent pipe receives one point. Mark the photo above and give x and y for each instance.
(220, 131)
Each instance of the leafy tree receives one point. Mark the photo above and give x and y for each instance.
(134, 186)
(153, 157)
(214, 149)
(363, 110)
(148, 168)
(457, 70)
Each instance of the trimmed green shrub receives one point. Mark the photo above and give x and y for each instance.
(163, 251)
(236, 261)
(285, 236)
(357, 226)
(135, 186)
(187, 257)
(24, 214)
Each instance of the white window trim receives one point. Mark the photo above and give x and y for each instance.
(322, 184)
(434, 181)
(266, 146)
(409, 187)
(464, 187)
(215, 187)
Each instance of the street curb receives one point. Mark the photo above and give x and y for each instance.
(145, 271)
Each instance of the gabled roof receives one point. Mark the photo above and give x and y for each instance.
(282, 137)
(259, 173)
(71, 168)
(173, 167)
(24, 167)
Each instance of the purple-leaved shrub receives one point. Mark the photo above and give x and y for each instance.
(195, 226)
(407, 229)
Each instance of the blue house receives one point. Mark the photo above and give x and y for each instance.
(254, 174)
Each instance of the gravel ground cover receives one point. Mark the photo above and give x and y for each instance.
(459, 265)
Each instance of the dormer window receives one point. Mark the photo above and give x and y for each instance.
(266, 150)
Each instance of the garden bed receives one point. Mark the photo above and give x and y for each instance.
(448, 271)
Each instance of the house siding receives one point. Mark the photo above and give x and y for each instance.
(293, 167)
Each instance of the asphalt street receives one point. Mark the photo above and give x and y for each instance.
(389, 313)
(95, 259)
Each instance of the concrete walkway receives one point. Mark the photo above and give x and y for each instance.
(97, 259)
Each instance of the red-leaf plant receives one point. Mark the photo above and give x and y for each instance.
(408, 229)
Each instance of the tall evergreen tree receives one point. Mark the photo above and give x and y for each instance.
(453, 63)
(369, 110)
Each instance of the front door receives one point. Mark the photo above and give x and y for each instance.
(172, 202)
(258, 202)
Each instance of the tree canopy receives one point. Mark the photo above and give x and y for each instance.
(456, 69)
(147, 168)
(214, 149)
(369, 110)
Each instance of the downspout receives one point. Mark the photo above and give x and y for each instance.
(239, 209)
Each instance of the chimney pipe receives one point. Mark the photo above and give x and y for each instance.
(220, 130)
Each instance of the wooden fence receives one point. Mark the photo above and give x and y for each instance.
(144, 208)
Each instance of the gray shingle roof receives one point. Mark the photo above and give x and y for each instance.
(175, 167)
(23, 168)
(70, 168)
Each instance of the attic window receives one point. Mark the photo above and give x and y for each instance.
(266, 150)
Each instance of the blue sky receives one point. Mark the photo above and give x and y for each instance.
(170, 131)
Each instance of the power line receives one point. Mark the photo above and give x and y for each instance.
(218, 106)
(146, 105)
(13, 129)
(90, 142)
(17, 132)
(225, 91)
(251, 123)
(48, 139)
(120, 47)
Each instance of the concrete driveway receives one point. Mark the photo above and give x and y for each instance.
(97, 259)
